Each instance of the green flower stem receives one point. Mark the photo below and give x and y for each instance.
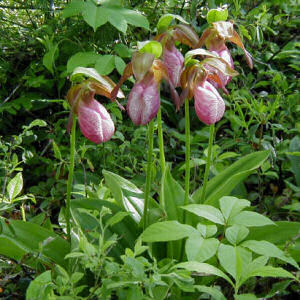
(187, 165)
(207, 166)
(70, 177)
(161, 142)
(187, 152)
(148, 175)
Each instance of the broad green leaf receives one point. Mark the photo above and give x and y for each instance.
(75, 277)
(134, 18)
(127, 228)
(249, 219)
(116, 18)
(8, 248)
(166, 231)
(245, 297)
(230, 206)
(234, 259)
(206, 211)
(215, 15)
(268, 249)
(236, 233)
(49, 58)
(172, 197)
(276, 234)
(269, 271)
(82, 59)
(41, 287)
(165, 21)
(120, 64)
(127, 195)
(295, 160)
(30, 237)
(226, 256)
(207, 230)
(74, 8)
(200, 249)
(215, 293)
(122, 50)
(105, 64)
(15, 186)
(94, 15)
(209, 270)
(225, 181)
(152, 47)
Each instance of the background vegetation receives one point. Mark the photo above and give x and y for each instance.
(42, 42)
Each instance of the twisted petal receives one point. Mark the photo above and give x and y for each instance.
(174, 62)
(209, 105)
(95, 122)
(224, 53)
(143, 101)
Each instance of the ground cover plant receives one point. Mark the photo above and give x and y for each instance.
(149, 150)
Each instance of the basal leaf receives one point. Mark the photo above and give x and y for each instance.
(225, 181)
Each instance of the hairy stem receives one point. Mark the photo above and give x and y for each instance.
(148, 175)
(207, 166)
(70, 177)
(187, 152)
(161, 142)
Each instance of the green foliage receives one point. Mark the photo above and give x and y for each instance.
(110, 11)
(225, 243)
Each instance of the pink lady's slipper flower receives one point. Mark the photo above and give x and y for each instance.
(94, 120)
(209, 105)
(172, 57)
(143, 100)
(214, 39)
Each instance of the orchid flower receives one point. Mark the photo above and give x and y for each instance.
(214, 39)
(172, 57)
(144, 101)
(94, 120)
(195, 82)
(209, 105)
